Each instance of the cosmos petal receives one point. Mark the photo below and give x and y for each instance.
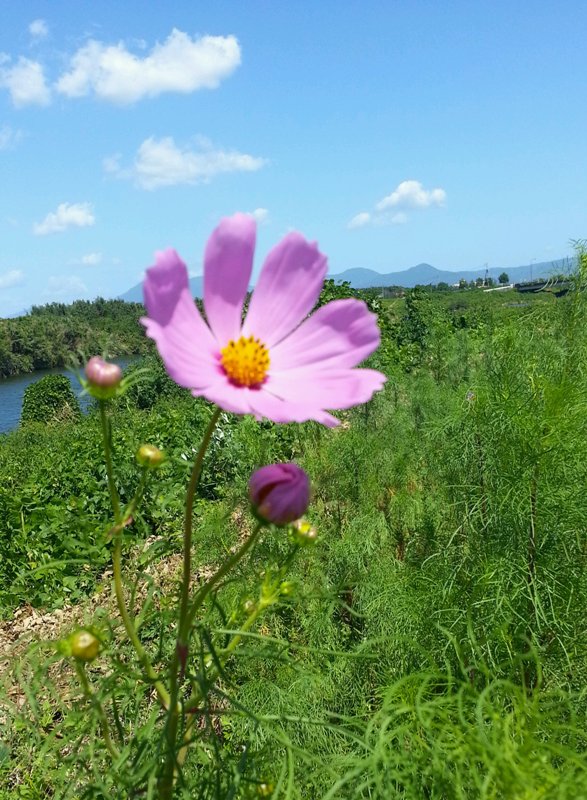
(287, 289)
(228, 263)
(340, 334)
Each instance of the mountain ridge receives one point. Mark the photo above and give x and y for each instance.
(420, 274)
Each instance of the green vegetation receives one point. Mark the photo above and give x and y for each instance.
(434, 642)
(54, 335)
(49, 400)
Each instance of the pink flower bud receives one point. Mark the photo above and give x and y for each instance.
(103, 374)
(280, 493)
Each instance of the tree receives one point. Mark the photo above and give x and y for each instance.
(504, 278)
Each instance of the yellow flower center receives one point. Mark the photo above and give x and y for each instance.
(245, 361)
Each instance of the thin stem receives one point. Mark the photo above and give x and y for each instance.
(188, 527)
(226, 567)
(120, 518)
(106, 436)
(129, 627)
(91, 696)
(181, 647)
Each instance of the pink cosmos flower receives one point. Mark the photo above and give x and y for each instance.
(279, 364)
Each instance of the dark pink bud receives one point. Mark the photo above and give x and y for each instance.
(280, 493)
(103, 374)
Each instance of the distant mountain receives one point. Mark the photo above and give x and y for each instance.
(135, 295)
(424, 274)
(421, 274)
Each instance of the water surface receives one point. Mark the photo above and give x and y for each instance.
(12, 391)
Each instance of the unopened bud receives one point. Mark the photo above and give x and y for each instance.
(84, 645)
(149, 456)
(249, 606)
(265, 789)
(287, 588)
(303, 533)
(103, 378)
(280, 493)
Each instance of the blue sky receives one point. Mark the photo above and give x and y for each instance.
(391, 132)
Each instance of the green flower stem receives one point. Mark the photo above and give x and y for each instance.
(106, 436)
(226, 567)
(183, 626)
(167, 780)
(91, 696)
(197, 697)
(129, 627)
(120, 519)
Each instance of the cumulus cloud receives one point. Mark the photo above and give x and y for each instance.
(91, 259)
(360, 220)
(38, 29)
(390, 210)
(181, 64)
(25, 81)
(13, 277)
(411, 194)
(260, 215)
(9, 137)
(160, 162)
(68, 215)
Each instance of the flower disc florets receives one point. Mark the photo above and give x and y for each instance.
(246, 361)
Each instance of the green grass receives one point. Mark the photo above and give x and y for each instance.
(435, 643)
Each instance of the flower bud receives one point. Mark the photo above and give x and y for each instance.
(280, 493)
(249, 607)
(287, 588)
(303, 533)
(103, 377)
(149, 456)
(265, 789)
(84, 645)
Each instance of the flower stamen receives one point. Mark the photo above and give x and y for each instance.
(245, 361)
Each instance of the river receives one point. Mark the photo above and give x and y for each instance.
(12, 391)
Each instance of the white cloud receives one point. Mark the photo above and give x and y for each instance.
(68, 215)
(91, 259)
(411, 194)
(407, 194)
(360, 220)
(38, 29)
(260, 215)
(25, 82)
(9, 137)
(180, 64)
(11, 278)
(70, 286)
(160, 162)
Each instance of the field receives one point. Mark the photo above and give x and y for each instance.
(430, 644)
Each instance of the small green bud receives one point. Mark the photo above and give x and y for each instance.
(84, 645)
(249, 607)
(303, 533)
(265, 789)
(149, 456)
(287, 588)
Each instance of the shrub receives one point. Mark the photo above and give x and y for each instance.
(49, 400)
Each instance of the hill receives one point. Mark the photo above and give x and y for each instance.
(422, 274)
